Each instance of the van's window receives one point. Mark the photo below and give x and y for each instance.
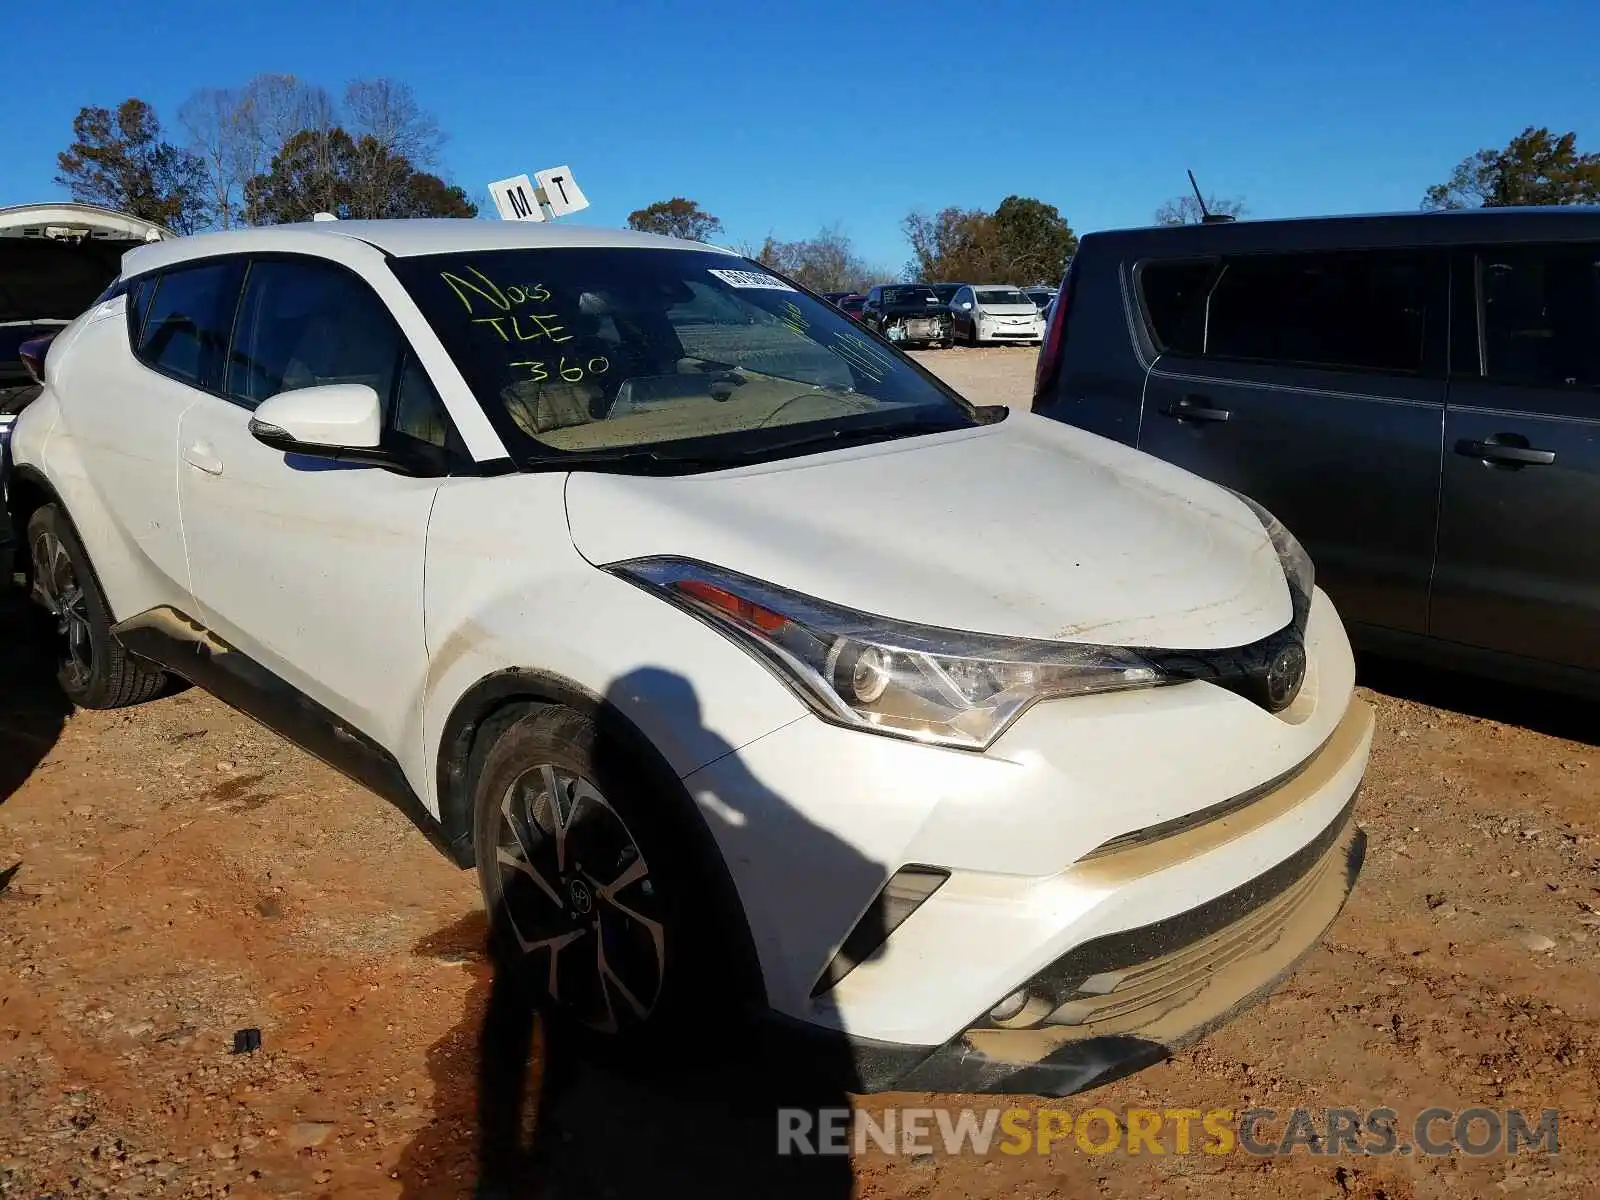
(304, 323)
(185, 327)
(589, 349)
(1174, 300)
(1541, 315)
(1366, 310)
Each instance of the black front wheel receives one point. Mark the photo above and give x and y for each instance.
(597, 896)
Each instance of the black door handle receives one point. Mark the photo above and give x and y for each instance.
(1195, 408)
(1506, 449)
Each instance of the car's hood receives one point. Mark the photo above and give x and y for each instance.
(1026, 528)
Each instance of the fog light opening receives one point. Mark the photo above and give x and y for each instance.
(1009, 1007)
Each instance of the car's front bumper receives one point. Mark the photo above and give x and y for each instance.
(1134, 997)
(1116, 822)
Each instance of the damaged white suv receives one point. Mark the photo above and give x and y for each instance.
(752, 667)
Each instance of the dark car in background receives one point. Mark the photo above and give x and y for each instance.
(908, 314)
(848, 302)
(1416, 396)
(55, 259)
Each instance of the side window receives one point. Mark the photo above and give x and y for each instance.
(1174, 295)
(184, 330)
(140, 292)
(304, 323)
(1365, 310)
(1541, 315)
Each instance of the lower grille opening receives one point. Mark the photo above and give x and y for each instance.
(907, 890)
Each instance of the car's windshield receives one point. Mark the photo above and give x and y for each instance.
(909, 295)
(946, 291)
(1002, 296)
(608, 349)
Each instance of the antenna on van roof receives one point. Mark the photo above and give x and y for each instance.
(1207, 217)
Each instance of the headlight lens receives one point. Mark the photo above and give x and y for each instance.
(1297, 566)
(912, 681)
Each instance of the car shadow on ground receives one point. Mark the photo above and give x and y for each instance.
(33, 710)
(1547, 712)
(520, 1112)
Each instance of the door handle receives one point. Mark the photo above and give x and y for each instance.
(1195, 408)
(1506, 449)
(203, 458)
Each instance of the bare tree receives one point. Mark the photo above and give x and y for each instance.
(387, 111)
(273, 109)
(825, 263)
(1185, 210)
(214, 120)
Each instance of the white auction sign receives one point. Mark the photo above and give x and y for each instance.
(561, 191)
(516, 199)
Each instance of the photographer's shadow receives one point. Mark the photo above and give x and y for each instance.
(542, 1118)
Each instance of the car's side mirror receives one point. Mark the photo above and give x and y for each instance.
(325, 421)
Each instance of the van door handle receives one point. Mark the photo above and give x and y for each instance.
(1195, 408)
(1504, 448)
(203, 458)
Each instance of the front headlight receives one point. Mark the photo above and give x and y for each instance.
(1297, 566)
(913, 681)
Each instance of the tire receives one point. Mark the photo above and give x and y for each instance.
(666, 932)
(972, 335)
(94, 669)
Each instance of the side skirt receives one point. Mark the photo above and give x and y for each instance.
(188, 649)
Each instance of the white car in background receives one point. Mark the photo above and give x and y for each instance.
(679, 605)
(995, 312)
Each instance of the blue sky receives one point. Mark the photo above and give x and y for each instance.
(783, 118)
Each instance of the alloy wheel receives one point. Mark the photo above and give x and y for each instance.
(576, 889)
(56, 586)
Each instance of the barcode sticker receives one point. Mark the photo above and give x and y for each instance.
(752, 279)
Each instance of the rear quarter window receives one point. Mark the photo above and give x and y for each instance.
(1174, 297)
(184, 332)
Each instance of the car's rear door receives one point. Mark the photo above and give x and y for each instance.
(1313, 383)
(1519, 522)
(123, 414)
(314, 568)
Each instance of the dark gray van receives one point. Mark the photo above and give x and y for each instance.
(1416, 396)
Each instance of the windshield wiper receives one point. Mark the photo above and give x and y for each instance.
(661, 460)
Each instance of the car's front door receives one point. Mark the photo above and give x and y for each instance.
(871, 309)
(314, 568)
(1313, 383)
(961, 313)
(1519, 559)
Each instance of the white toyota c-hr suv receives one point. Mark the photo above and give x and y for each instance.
(753, 668)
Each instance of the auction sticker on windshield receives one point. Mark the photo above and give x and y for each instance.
(751, 279)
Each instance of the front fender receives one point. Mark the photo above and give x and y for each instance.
(508, 592)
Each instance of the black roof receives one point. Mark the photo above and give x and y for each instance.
(1371, 230)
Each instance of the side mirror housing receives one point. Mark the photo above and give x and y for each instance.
(326, 422)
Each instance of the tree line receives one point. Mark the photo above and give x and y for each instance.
(1023, 241)
(275, 149)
